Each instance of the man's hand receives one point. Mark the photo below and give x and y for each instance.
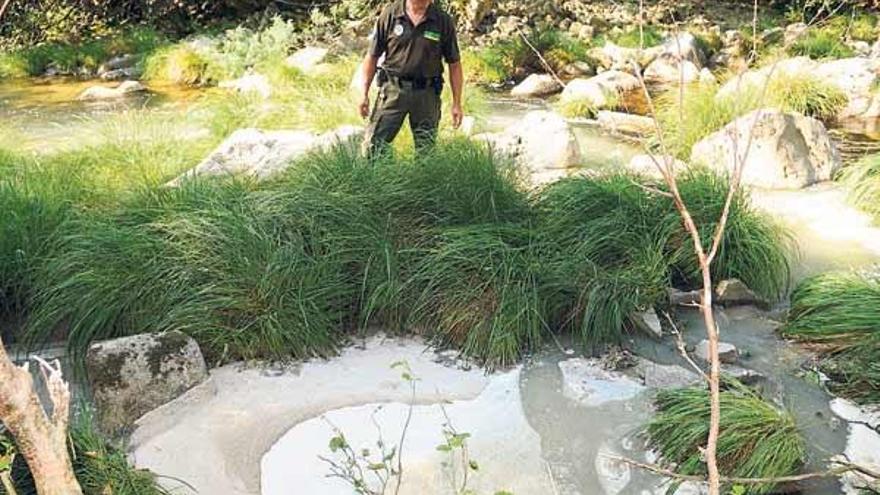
(457, 115)
(364, 108)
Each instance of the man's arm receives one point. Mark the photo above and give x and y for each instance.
(368, 73)
(456, 80)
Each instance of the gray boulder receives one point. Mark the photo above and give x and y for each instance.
(601, 91)
(727, 353)
(788, 151)
(668, 69)
(625, 123)
(119, 62)
(665, 376)
(734, 292)
(127, 88)
(648, 322)
(131, 376)
(261, 154)
(537, 85)
(251, 83)
(541, 144)
(307, 59)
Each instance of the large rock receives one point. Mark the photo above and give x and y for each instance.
(684, 46)
(616, 57)
(648, 322)
(537, 85)
(261, 154)
(542, 144)
(307, 59)
(665, 376)
(127, 88)
(734, 292)
(858, 78)
(134, 375)
(667, 69)
(625, 123)
(601, 91)
(787, 150)
(118, 62)
(727, 353)
(252, 83)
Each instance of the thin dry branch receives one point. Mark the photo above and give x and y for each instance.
(844, 467)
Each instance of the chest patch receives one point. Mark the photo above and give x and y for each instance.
(432, 35)
(398, 30)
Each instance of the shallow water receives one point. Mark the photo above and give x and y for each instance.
(43, 115)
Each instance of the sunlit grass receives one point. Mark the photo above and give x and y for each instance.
(842, 311)
(863, 182)
(757, 440)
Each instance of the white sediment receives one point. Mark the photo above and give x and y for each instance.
(215, 436)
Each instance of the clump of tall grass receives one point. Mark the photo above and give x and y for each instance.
(634, 38)
(100, 467)
(821, 43)
(481, 292)
(757, 440)
(755, 247)
(214, 262)
(603, 251)
(863, 182)
(806, 94)
(841, 310)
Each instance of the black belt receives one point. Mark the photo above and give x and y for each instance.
(413, 82)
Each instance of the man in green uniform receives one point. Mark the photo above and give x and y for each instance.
(415, 37)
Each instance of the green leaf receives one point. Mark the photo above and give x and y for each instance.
(337, 443)
(474, 466)
(376, 466)
(444, 448)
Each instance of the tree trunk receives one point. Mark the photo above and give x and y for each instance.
(41, 438)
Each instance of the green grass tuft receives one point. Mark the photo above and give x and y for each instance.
(650, 36)
(842, 311)
(863, 181)
(821, 44)
(756, 440)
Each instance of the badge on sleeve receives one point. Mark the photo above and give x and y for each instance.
(398, 30)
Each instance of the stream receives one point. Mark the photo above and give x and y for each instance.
(528, 433)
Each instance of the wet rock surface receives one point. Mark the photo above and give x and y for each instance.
(124, 89)
(542, 143)
(131, 376)
(262, 154)
(787, 151)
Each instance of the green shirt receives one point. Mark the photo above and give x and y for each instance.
(415, 51)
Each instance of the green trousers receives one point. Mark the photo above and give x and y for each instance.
(394, 103)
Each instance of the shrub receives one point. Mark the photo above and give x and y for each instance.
(757, 440)
(806, 94)
(863, 181)
(178, 64)
(842, 311)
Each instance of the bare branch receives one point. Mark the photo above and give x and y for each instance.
(540, 57)
(830, 473)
